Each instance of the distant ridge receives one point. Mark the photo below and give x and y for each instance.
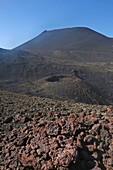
(3, 50)
(4, 53)
(77, 38)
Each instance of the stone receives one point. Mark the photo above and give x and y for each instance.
(89, 139)
(91, 164)
(110, 162)
(22, 142)
(50, 134)
(83, 165)
(26, 119)
(96, 128)
(84, 155)
(91, 148)
(8, 119)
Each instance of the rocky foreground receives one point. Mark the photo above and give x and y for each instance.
(42, 134)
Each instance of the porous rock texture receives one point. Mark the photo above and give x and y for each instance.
(42, 134)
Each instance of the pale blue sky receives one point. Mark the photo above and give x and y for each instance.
(21, 20)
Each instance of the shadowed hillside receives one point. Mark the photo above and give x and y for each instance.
(77, 43)
(77, 52)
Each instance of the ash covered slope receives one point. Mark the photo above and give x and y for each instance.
(61, 52)
(78, 38)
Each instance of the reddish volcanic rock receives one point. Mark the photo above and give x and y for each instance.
(56, 135)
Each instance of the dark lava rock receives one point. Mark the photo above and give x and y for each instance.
(8, 119)
(26, 119)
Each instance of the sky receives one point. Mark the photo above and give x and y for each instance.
(22, 20)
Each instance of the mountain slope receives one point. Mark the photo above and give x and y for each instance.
(78, 38)
(79, 52)
(3, 53)
(3, 50)
(64, 87)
